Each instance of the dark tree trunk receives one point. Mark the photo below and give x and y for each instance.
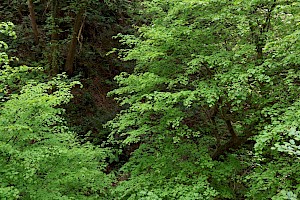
(69, 66)
(235, 141)
(33, 21)
(54, 40)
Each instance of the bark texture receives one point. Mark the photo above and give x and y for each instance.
(33, 21)
(69, 66)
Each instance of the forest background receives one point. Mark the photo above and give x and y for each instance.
(152, 99)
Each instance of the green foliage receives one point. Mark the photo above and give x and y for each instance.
(166, 171)
(215, 73)
(13, 78)
(277, 144)
(39, 157)
(274, 179)
(6, 31)
(278, 149)
(212, 105)
(6, 28)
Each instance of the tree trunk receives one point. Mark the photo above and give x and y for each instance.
(54, 40)
(33, 21)
(235, 141)
(69, 68)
